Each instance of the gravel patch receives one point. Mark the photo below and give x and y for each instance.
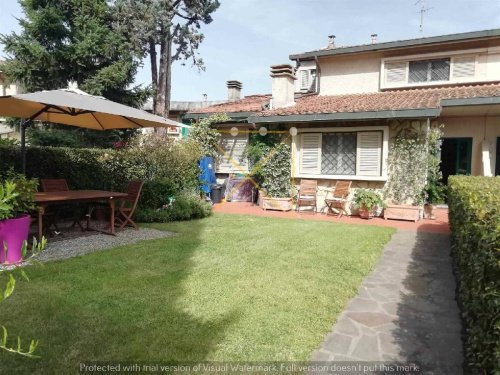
(72, 247)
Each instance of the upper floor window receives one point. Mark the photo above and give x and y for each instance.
(435, 71)
(307, 79)
(429, 70)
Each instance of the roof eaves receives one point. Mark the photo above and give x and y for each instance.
(237, 116)
(470, 101)
(397, 44)
(317, 117)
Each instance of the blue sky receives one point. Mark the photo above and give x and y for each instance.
(247, 36)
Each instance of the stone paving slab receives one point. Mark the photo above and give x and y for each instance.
(405, 311)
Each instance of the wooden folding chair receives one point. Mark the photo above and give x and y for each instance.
(338, 201)
(54, 185)
(307, 194)
(126, 209)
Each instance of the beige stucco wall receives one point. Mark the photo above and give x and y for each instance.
(480, 129)
(361, 73)
(350, 74)
(489, 66)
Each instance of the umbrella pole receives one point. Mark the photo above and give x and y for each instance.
(24, 125)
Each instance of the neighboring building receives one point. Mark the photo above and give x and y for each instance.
(7, 89)
(349, 102)
(178, 109)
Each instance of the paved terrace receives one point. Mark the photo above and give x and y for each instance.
(439, 225)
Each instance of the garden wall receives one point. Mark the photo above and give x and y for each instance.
(475, 224)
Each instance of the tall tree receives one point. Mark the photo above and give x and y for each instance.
(73, 40)
(166, 31)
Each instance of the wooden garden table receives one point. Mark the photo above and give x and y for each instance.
(43, 199)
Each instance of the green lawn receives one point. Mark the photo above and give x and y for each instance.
(226, 288)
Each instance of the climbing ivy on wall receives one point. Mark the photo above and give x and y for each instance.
(413, 161)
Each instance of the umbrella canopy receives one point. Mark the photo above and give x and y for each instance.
(76, 108)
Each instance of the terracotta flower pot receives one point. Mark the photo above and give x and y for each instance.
(13, 232)
(367, 214)
(429, 211)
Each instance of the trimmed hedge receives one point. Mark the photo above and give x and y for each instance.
(82, 168)
(474, 204)
(169, 171)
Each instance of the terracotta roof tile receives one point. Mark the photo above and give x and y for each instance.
(251, 103)
(422, 98)
(385, 101)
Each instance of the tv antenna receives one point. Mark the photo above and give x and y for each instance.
(422, 11)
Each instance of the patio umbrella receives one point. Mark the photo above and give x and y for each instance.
(74, 107)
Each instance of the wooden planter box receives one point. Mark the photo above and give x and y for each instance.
(402, 212)
(280, 204)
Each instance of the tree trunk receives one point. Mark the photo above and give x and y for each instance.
(161, 90)
(154, 71)
(168, 76)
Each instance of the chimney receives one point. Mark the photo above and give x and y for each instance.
(234, 90)
(331, 41)
(283, 87)
(374, 38)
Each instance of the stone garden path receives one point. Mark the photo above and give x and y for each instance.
(405, 311)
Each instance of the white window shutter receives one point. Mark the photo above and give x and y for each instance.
(369, 154)
(304, 79)
(310, 153)
(464, 67)
(232, 160)
(395, 72)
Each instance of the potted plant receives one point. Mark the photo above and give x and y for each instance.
(434, 192)
(276, 191)
(16, 201)
(367, 201)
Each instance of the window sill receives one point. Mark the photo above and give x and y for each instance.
(341, 177)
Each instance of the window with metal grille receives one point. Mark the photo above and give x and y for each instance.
(338, 156)
(429, 70)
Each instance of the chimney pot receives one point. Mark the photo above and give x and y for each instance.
(234, 90)
(374, 38)
(331, 41)
(283, 86)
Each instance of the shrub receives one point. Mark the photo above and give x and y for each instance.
(206, 136)
(185, 207)
(276, 171)
(155, 194)
(475, 224)
(167, 166)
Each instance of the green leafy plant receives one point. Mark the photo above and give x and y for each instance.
(17, 196)
(367, 199)
(10, 285)
(434, 190)
(205, 135)
(7, 196)
(276, 171)
(413, 166)
(259, 146)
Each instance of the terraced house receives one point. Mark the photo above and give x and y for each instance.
(347, 103)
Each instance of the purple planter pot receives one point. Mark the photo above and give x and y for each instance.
(13, 232)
